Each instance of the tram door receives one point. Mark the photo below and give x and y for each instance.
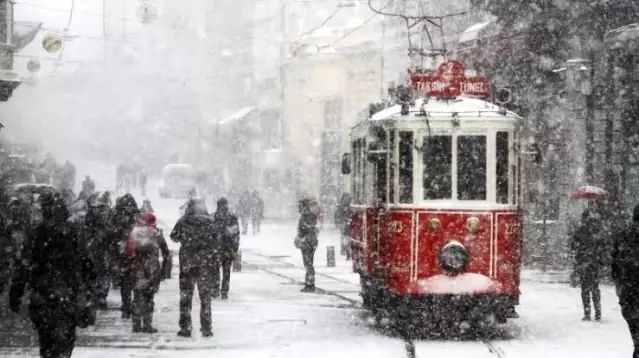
(378, 158)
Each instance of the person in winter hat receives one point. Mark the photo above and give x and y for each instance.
(588, 244)
(55, 271)
(146, 207)
(145, 245)
(306, 240)
(625, 274)
(227, 234)
(195, 232)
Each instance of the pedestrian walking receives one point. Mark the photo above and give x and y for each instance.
(227, 234)
(257, 212)
(146, 207)
(195, 231)
(145, 245)
(124, 218)
(55, 271)
(98, 229)
(244, 210)
(625, 274)
(306, 240)
(589, 245)
(342, 221)
(88, 186)
(143, 180)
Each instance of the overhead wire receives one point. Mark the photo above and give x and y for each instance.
(355, 29)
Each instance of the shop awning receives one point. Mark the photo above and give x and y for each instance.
(23, 33)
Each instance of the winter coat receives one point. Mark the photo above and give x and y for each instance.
(98, 228)
(625, 265)
(307, 231)
(227, 233)
(589, 245)
(244, 205)
(145, 246)
(343, 218)
(55, 269)
(257, 208)
(195, 232)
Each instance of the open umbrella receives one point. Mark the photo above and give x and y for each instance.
(589, 192)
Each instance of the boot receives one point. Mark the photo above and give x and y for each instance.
(308, 288)
(207, 333)
(148, 324)
(225, 296)
(184, 333)
(586, 313)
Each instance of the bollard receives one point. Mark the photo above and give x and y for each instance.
(330, 256)
(237, 262)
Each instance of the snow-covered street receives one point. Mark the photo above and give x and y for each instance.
(267, 315)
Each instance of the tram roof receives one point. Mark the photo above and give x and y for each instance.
(463, 106)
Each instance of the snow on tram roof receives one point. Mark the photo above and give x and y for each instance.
(463, 106)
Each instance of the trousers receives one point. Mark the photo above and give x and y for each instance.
(308, 256)
(224, 264)
(189, 278)
(56, 326)
(143, 306)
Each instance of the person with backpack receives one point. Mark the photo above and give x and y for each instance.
(306, 240)
(195, 232)
(144, 247)
(589, 245)
(227, 233)
(53, 266)
(625, 274)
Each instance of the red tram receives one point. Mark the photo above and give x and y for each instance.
(435, 185)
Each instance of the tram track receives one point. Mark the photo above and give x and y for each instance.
(352, 303)
(409, 343)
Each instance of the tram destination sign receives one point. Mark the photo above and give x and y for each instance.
(450, 80)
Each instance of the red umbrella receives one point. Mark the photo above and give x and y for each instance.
(589, 192)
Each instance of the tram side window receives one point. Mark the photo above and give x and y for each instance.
(503, 164)
(471, 167)
(406, 167)
(438, 161)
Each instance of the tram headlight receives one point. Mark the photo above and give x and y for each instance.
(453, 257)
(473, 225)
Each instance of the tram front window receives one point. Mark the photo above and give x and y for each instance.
(471, 167)
(437, 158)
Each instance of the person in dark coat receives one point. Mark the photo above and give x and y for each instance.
(146, 245)
(53, 269)
(588, 245)
(17, 232)
(143, 180)
(244, 210)
(227, 233)
(306, 239)
(625, 274)
(257, 211)
(98, 228)
(195, 232)
(342, 222)
(124, 218)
